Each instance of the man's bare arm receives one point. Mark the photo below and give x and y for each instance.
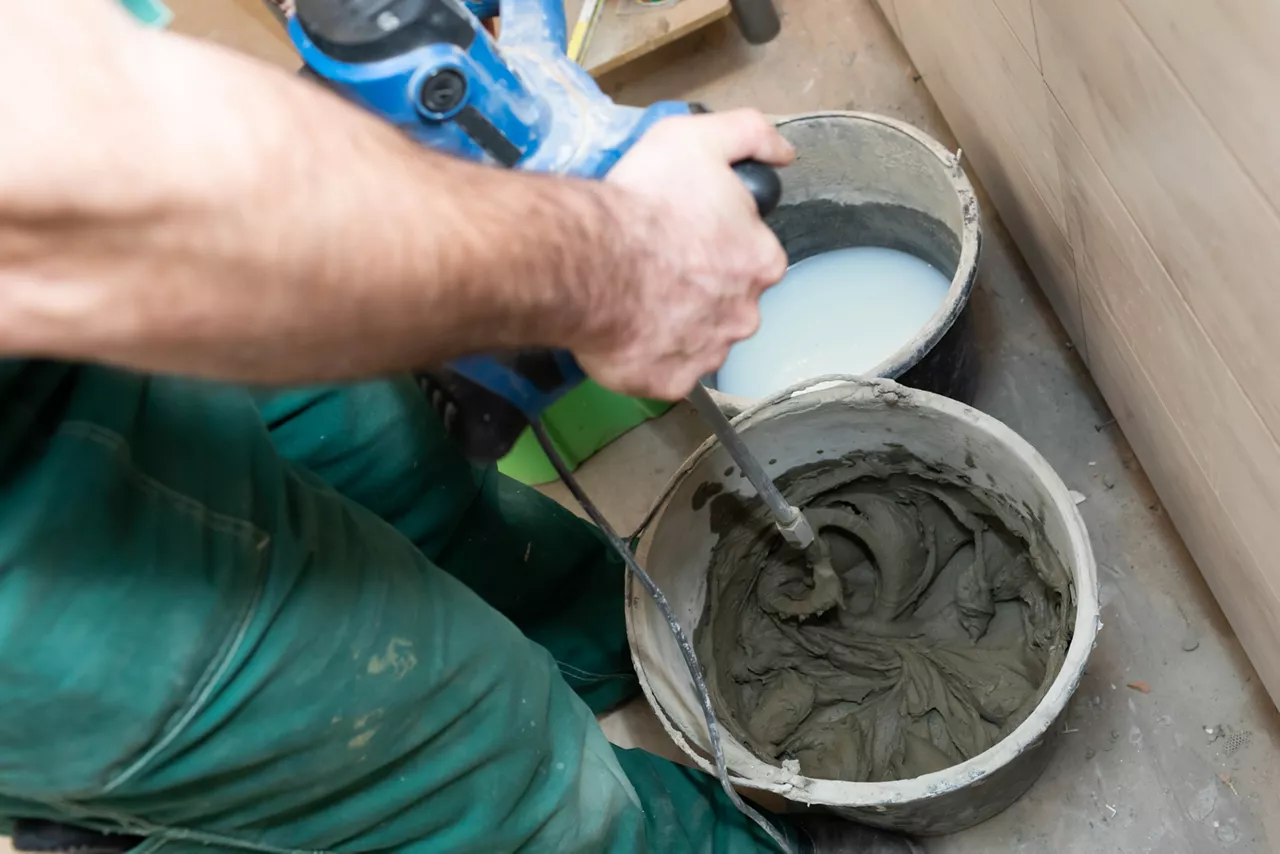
(169, 206)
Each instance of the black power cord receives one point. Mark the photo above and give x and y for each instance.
(682, 640)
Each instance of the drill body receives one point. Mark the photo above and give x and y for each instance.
(431, 68)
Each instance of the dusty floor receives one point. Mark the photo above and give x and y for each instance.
(1189, 767)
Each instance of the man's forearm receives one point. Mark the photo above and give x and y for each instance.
(271, 233)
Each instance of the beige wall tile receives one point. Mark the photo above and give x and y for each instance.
(969, 43)
(1205, 446)
(1225, 53)
(1206, 221)
(1018, 14)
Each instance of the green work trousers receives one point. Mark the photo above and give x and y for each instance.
(300, 621)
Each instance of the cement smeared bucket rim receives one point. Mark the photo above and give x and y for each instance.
(966, 273)
(874, 795)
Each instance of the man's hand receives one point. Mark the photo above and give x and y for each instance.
(209, 230)
(705, 255)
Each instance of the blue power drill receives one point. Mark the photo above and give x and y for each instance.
(432, 69)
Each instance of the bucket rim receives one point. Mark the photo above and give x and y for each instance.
(966, 274)
(878, 796)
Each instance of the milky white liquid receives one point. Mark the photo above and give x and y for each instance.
(840, 312)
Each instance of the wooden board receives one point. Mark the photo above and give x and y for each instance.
(1212, 229)
(989, 151)
(1177, 390)
(1226, 47)
(1018, 15)
(1000, 72)
(1152, 142)
(1015, 159)
(627, 29)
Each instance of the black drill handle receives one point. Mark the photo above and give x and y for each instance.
(486, 424)
(763, 182)
(761, 179)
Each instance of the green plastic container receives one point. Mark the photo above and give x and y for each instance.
(579, 424)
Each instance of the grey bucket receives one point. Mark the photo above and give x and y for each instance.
(862, 179)
(829, 420)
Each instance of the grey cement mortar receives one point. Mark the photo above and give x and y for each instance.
(932, 574)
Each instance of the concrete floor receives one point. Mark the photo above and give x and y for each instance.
(1189, 767)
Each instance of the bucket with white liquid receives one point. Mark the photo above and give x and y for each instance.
(882, 232)
(841, 422)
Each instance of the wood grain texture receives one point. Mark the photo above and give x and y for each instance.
(1224, 52)
(1018, 15)
(1163, 139)
(626, 29)
(995, 149)
(1202, 518)
(1042, 241)
(1145, 339)
(1207, 221)
(970, 44)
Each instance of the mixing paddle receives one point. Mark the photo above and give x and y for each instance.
(826, 592)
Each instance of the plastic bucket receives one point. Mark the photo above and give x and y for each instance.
(959, 445)
(860, 179)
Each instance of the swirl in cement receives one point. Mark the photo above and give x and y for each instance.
(951, 631)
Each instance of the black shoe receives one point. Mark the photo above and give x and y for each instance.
(826, 834)
(38, 835)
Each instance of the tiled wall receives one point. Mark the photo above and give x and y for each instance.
(1133, 149)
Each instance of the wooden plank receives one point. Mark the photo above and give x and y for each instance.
(1200, 517)
(1199, 438)
(1209, 225)
(1163, 151)
(993, 152)
(1042, 241)
(1046, 249)
(627, 29)
(1224, 53)
(969, 43)
(1018, 15)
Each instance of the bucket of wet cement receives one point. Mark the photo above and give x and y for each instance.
(927, 701)
(882, 232)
